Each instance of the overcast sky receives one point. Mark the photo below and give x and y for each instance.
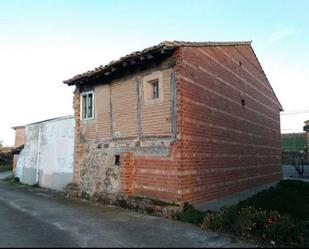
(46, 42)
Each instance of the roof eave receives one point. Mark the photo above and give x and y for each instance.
(18, 127)
(122, 63)
(279, 104)
(162, 47)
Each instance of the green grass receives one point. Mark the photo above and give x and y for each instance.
(4, 168)
(289, 197)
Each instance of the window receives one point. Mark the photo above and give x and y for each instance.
(155, 89)
(87, 105)
(152, 88)
(117, 160)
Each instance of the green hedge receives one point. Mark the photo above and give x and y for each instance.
(6, 158)
(251, 223)
(269, 226)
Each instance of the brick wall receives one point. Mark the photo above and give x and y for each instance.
(124, 107)
(151, 175)
(157, 177)
(228, 127)
(228, 123)
(19, 140)
(155, 117)
(19, 136)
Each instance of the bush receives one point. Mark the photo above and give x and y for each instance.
(278, 215)
(220, 221)
(250, 222)
(190, 214)
(289, 197)
(6, 157)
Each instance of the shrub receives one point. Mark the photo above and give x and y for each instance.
(190, 214)
(249, 222)
(6, 157)
(213, 221)
(219, 221)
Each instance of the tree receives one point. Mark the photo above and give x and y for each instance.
(298, 160)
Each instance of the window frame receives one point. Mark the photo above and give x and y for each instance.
(147, 88)
(155, 84)
(82, 107)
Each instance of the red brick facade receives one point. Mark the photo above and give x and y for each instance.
(19, 140)
(229, 123)
(155, 177)
(228, 129)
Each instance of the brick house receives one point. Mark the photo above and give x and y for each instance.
(19, 141)
(180, 122)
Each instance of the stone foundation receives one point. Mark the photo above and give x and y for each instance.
(97, 171)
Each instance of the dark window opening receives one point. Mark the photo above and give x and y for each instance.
(239, 63)
(243, 103)
(117, 160)
(155, 89)
(99, 146)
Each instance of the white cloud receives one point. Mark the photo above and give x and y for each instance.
(282, 34)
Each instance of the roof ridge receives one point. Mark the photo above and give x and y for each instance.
(205, 43)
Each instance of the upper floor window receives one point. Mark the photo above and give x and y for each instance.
(155, 89)
(87, 105)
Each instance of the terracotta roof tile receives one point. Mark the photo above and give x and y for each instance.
(162, 45)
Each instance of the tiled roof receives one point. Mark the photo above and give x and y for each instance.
(166, 45)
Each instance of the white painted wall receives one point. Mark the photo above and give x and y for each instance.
(20, 163)
(48, 153)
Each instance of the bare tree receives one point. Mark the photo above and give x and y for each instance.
(298, 160)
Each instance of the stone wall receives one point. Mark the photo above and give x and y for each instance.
(99, 174)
